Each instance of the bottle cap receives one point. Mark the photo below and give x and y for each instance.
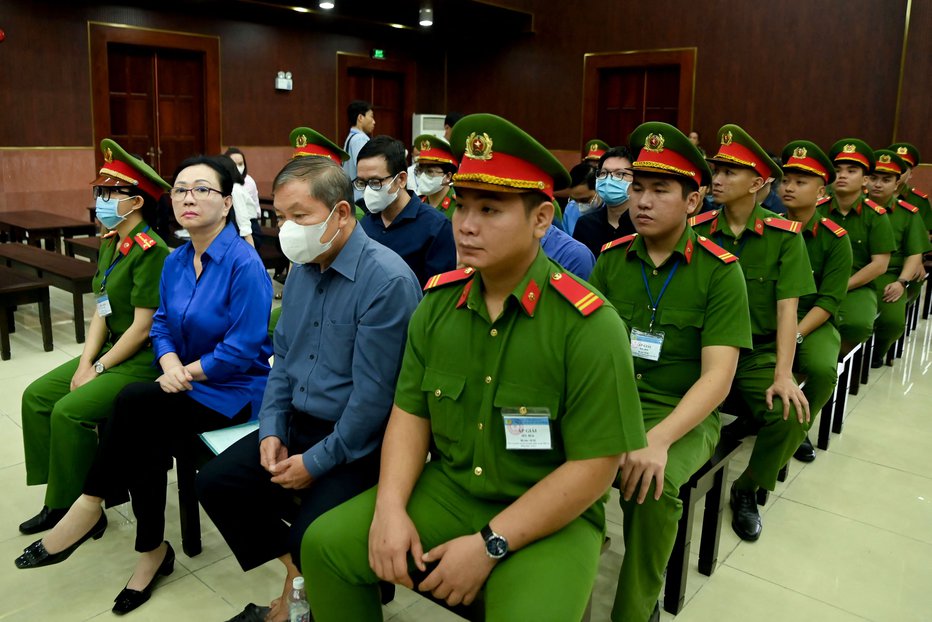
(297, 583)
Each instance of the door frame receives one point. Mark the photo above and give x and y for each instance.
(99, 34)
(593, 63)
(349, 60)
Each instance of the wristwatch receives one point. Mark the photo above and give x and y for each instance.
(799, 338)
(99, 367)
(903, 282)
(496, 546)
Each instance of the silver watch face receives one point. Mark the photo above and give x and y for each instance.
(99, 368)
(496, 546)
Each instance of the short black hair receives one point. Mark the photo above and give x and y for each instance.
(686, 184)
(533, 199)
(230, 151)
(392, 150)
(582, 173)
(226, 180)
(452, 117)
(230, 165)
(620, 151)
(357, 107)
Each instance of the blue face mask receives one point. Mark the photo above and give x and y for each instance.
(612, 191)
(106, 211)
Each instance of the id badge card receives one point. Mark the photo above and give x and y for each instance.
(103, 305)
(527, 428)
(646, 344)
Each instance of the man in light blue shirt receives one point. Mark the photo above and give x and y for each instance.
(361, 120)
(338, 348)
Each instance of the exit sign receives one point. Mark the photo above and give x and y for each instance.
(378, 53)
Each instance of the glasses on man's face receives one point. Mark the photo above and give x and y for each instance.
(619, 175)
(198, 192)
(106, 192)
(375, 183)
(430, 172)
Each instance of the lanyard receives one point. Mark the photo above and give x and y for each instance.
(103, 281)
(654, 304)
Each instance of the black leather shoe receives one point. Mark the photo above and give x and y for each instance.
(805, 452)
(43, 521)
(745, 517)
(128, 600)
(251, 613)
(35, 555)
(876, 361)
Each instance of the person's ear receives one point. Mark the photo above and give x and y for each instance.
(542, 216)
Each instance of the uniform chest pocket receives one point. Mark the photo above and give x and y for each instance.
(626, 311)
(682, 318)
(762, 284)
(682, 331)
(443, 391)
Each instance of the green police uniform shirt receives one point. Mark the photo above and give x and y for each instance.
(868, 230)
(447, 205)
(133, 282)
(773, 258)
(830, 256)
(704, 304)
(918, 198)
(461, 369)
(909, 234)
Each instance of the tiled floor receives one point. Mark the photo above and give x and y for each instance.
(848, 537)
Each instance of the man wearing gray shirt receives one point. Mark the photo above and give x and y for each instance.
(338, 348)
(361, 120)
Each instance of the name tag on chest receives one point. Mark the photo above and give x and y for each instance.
(527, 428)
(646, 344)
(103, 305)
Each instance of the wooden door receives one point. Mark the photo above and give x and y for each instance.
(132, 100)
(387, 84)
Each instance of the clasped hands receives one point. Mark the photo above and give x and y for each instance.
(287, 472)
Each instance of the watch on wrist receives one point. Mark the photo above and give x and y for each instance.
(496, 546)
(799, 338)
(99, 367)
(903, 282)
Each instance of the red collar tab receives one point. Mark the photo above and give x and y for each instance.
(688, 251)
(464, 295)
(530, 298)
(126, 246)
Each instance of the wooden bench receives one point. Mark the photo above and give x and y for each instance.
(833, 413)
(67, 273)
(17, 289)
(83, 247)
(927, 296)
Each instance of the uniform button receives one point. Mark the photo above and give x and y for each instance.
(312, 357)
(654, 273)
(301, 389)
(494, 332)
(320, 290)
(488, 379)
(478, 471)
(481, 426)
(316, 323)
(638, 376)
(438, 393)
(522, 410)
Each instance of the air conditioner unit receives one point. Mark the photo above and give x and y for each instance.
(427, 124)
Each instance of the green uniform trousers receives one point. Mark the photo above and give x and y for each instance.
(60, 428)
(855, 317)
(650, 528)
(892, 319)
(548, 580)
(817, 358)
(778, 438)
(913, 291)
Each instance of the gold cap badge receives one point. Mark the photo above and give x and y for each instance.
(301, 141)
(884, 159)
(593, 147)
(108, 156)
(902, 151)
(727, 138)
(425, 145)
(654, 142)
(849, 148)
(479, 147)
(799, 153)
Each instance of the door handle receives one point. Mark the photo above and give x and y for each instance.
(151, 154)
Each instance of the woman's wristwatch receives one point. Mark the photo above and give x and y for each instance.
(99, 367)
(903, 282)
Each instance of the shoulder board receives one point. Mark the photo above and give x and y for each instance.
(580, 296)
(824, 200)
(792, 226)
(619, 242)
(701, 218)
(874, 206)
(838, 230)
(716, 250)
(908, 206)
(919, 193)
(453, 276)
(145, 242)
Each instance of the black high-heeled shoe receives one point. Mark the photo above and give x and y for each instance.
(35, 555)
(128, 600)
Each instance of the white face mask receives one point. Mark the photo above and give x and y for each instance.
(302, 244)
(378, 200)
(241, 168)
(429, 184)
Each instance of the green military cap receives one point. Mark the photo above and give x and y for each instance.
(497, 155)
(307, 142)
(886, 161)
(661, 148)
(433, 149)
(908, 152)
(737, 148)
(803, 156)
(122, 169)
(853, 150)
(595, 149)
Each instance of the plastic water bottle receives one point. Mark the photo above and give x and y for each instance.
(298, 609)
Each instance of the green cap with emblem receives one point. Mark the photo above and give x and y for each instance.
(737, 148)
(595, 149)
(803, 156)
(854, 151)
(908, 152)
(122, 169)
(662, 149)
(433, 149)
(497, 155)
(307, 142)
(887, 161)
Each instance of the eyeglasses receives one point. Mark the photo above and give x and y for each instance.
(432, 172)
(375, 184)
(198, 192)
(619, 175)
(106, 192)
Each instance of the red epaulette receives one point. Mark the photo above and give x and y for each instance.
(908, 206)
(824, 200)
(145, 242)
(580, 296)
(835, 228)
(874, 206)
(716, 250)
(791, 226)
(702, 218)
(616, 243)
(453, 276)
(919, 193)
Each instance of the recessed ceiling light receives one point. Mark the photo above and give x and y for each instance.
(426, 17)
(325, 4)
(300, 9)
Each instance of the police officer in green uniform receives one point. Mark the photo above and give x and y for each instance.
(593, 152)
(869, 232)
(308, 142)
(434, 168)
(806, 173)
(776, 268)
(527, 423)
(911, 239)
(60, 410)
(912, 195)
(684, 302)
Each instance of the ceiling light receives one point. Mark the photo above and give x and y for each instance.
(426, 16)
(325, 4)
(300, 9)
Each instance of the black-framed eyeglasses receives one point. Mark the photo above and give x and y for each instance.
(619, 175)
(375, 184)
(106, 192)
(198, 192)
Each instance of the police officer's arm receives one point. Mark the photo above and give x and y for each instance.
(784, 385)
(93, 342)
(833, 285)
(880, 244)
(876, 267)
(131, 340)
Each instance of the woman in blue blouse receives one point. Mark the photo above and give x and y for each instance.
(210, 338)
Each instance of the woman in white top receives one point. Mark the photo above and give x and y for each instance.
(244, 206)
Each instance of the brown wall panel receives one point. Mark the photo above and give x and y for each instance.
(51, 180)
(915, 122)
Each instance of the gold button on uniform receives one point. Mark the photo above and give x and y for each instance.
(494, 332)
(478, 471)
(638, 376)
(488, 379)
(522, 410)
(480, 426)
(437, 393)
(655, 273)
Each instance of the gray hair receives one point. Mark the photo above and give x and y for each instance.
(325, 179)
